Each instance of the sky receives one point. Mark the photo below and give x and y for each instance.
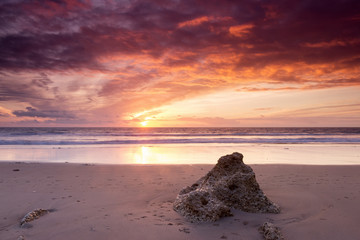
(180, 63)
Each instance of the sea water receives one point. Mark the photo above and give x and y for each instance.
(180, 145)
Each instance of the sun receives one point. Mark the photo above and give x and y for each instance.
(144, 123)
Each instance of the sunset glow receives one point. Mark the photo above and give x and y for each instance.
(180, 63)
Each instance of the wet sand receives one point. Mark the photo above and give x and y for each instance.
(135, 202)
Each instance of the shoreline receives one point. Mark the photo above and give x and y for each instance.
(312, 154)
(94, 201)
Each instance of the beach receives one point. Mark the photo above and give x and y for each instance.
(95, 201)
(114, 113)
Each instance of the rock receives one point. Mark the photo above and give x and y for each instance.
(230, 184)
(31, 216)
(270, 232)
(200, 206)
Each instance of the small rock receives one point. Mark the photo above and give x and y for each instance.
(21, 237)
(270, 232)
(31, 216)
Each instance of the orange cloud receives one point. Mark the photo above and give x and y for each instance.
(332, 43)
(241, 30)
(194, 22)
(4, 112)
(201, 20)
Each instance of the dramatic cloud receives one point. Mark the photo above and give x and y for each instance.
(32, 112)
(80, 60)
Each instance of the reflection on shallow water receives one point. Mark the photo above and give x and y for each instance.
(143, 156)
(149, 155)
(329, 154)
(168, 155)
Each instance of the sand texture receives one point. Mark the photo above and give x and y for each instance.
(135, 202)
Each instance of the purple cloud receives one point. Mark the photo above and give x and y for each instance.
(57, 36)
(32, 112)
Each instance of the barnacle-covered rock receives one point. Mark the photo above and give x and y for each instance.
(230, 184)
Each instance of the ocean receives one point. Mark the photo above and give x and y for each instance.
(91, 136)
(177, 145)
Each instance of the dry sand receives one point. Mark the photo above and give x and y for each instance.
(135, 202)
